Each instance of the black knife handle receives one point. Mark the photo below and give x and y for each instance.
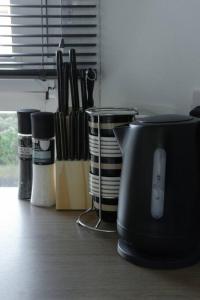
(59, 61)
(74, 79)
(66, 88)
(91, 77)
(83, 89)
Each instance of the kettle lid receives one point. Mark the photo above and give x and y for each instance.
(195, 112)
(172, 118)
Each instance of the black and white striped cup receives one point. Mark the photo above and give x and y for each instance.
(106, 157)
(108, 208)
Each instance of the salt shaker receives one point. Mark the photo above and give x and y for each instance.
(43, 139)
(25, 153)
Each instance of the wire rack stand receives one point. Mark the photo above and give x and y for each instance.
(80, 220)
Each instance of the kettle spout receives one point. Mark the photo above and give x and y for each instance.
(120, 134)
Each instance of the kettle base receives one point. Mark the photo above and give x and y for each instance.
(128, 252)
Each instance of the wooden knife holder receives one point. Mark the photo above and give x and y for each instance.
(72, 185)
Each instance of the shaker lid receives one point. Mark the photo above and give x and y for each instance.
(172, 118)
(24, 120)
(42, 125)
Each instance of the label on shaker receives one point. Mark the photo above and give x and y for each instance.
(43, 152)
(25, 147)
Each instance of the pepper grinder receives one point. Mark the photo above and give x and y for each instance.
(43, 189)
(25, 153)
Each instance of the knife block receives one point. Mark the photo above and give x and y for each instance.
(72, 191)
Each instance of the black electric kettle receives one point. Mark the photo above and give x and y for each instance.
(159, 202)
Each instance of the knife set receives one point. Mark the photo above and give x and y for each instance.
(71, 126)
(71, 122)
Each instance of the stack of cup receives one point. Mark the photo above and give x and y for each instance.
(106, 158)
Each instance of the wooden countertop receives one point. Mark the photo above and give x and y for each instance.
(46, 255)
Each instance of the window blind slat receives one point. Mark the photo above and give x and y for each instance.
(76, 35)
(44, 54)
(82, 63)
(50, 6)
(79, 45)
(50, 26)
(28, 73)
(47, 17)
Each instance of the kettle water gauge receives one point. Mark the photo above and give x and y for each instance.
(158, 183)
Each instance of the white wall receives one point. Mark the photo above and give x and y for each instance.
(26, 93)
(150, 53)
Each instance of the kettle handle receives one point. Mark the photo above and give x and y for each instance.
(121, 135)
